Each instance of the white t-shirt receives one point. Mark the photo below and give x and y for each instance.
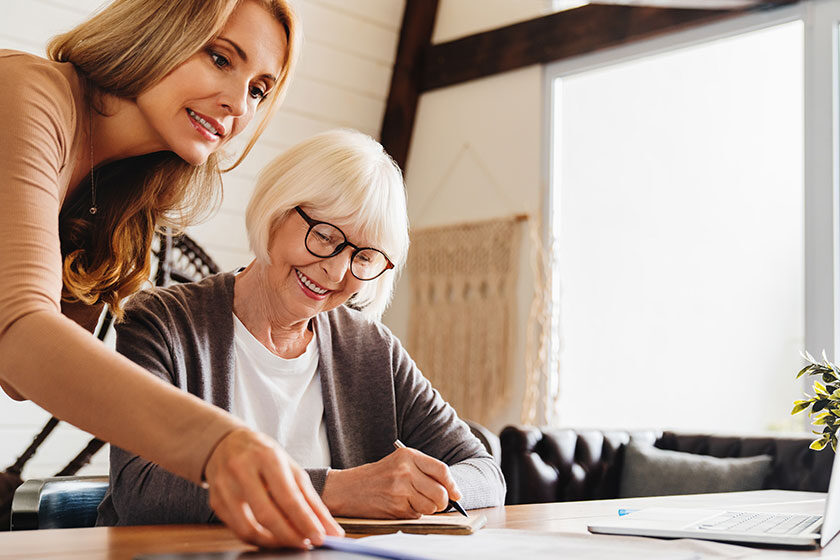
(281, 398)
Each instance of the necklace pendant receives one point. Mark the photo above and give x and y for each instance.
(92, 210)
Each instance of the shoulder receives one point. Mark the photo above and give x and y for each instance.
(38, 100)
(196, 303)
(345, 322)
(348, 332)
(32, 79)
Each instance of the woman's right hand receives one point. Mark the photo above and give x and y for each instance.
(403, 485)
(261, 494)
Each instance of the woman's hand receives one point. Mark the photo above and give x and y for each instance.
(403, 485)
(258, 491)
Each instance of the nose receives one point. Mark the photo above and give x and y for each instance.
(338, 266)
(235, 99)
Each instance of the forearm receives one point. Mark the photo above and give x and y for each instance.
(58, 365)
(480, 481)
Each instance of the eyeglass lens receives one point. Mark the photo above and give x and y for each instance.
(324, 239)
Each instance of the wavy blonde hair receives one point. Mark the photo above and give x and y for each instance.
(124, 50)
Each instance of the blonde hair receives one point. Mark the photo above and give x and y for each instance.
(347, 176)
(124, 50)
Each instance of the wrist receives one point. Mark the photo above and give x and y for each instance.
(333, 492)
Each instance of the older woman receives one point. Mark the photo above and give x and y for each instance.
(292, 346)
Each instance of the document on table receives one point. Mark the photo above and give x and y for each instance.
(503, 544)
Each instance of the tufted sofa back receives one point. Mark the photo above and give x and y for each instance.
(556, 464)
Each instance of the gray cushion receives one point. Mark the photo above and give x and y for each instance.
(649, 471)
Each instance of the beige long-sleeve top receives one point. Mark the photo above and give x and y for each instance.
(45, 356)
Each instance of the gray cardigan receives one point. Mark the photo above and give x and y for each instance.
(373, 394)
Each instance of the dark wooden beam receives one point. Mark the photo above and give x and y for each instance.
(415, 37)
(557, 36)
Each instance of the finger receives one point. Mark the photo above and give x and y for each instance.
(267, 514)
(284, 489)
(330, 525)
(420, 504)
(439, 471)
(234, 515)
(430, 489)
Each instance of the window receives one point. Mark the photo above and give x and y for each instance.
(679, 213)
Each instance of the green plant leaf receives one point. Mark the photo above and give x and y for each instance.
(818, 444)
(819, 405)
(799, 406)
(820, 389)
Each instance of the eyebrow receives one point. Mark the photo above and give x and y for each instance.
(244, 56)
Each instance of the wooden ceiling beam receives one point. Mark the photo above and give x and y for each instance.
(558, 36)
(420, 66)
(415, 37)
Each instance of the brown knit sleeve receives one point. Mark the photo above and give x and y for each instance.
(44, 356)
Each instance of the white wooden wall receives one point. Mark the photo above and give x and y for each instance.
(342, 81)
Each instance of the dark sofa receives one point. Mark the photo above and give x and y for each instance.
(555, 465)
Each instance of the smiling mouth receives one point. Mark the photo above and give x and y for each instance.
(203, 123)
(310, 284)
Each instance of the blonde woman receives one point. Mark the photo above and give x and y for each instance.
(120, 132)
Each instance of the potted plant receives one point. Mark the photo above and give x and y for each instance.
(825, 403)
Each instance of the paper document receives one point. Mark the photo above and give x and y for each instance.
(503, 544)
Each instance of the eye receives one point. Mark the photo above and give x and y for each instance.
(258, 93)
(219, 60)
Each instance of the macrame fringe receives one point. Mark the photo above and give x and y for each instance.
(463, 309)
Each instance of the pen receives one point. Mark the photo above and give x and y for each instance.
(452, 503)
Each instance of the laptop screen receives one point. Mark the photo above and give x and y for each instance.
(831, 517)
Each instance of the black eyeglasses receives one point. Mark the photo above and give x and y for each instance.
(324, 240)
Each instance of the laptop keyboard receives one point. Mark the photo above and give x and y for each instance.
(760, 523)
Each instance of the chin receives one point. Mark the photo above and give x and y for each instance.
(194, 158)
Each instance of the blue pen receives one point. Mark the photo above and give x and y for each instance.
(354, 546)
(625, 511)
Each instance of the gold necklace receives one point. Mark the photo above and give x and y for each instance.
(93, 208)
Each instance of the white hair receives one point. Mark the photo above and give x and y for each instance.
(349, 177)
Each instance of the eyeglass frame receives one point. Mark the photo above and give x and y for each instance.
(312, 222)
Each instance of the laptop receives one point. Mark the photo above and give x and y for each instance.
(766, 528)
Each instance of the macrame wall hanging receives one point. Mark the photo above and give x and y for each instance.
(463, 311)
(463, 314)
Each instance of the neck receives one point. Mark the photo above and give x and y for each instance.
(121, 131)
(252, 304)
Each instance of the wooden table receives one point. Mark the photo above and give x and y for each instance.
(567, 518)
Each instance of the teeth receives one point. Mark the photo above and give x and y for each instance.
(309, 284)
(202, 122)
